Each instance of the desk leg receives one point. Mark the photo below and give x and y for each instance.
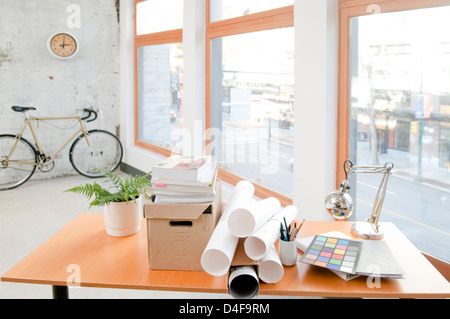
(60, 292)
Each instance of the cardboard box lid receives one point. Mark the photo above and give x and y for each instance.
(176, 211)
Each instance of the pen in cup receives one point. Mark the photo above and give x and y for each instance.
(287, 234)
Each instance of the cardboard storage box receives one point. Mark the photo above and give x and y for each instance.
(178, 233)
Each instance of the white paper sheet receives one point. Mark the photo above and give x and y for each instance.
(270, 268)
(257, 244)
(244, 221)
(218, 254)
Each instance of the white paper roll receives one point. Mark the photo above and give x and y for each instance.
(257, 244)
(270, 268)
(244, 221)
(218, 254)
(243, 282)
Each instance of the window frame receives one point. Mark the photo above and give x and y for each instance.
(350, 9)
(260, 21)
(164, 37)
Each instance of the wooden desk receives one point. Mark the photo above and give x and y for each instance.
(109, 262)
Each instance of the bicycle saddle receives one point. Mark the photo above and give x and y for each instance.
(22, 108)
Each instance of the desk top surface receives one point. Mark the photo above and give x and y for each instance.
(83, 251)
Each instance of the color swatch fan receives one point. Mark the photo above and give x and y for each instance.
(333, 253)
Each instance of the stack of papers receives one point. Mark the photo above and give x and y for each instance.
(375, 258)
(180, 179)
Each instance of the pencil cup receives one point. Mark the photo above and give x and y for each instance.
(288, 252)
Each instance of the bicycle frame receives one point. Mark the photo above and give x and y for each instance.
(39, 149)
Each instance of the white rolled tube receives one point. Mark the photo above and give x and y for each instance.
(244, 221)
(257, 244)
(243, 282)
(270, 268)
(219, 252)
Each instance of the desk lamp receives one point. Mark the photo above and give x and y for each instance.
(340, 204)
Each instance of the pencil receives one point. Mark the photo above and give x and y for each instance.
(293, 234)
(301, 224)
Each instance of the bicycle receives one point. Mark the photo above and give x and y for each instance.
(91, 152)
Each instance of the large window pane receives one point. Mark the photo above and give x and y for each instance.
(252, 106)
(160, 103)
(158, 15)
(400, 113)
(227, 9)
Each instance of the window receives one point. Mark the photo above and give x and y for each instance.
(248, 91)
(250, 65)
(226, 9)
(398, 111)
(158, 15)
(160, 95)
(159, 76)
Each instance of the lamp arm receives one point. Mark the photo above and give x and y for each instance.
(369, 169)
(379, 199)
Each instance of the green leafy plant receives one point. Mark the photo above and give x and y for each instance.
(121, 190)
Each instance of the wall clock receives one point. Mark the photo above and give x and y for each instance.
(63, 45)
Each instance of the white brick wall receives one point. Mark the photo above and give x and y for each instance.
(30, 76)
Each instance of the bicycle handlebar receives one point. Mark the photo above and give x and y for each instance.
(89, 111)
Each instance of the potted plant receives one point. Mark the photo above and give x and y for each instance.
(122, 201)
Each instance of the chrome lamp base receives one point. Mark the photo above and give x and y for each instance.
(367, 230)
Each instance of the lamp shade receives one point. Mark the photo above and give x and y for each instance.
(339, 203)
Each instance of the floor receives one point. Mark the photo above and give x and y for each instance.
(32, 213)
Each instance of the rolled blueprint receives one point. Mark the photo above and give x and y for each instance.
(243, 282)
(219, 252)
(245, 220)
(257, 244)
(270, 268)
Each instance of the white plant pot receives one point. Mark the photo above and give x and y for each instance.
(123, 219)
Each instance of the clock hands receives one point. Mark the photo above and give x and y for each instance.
(64, 44)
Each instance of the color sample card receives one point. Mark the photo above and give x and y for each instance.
(333, 253)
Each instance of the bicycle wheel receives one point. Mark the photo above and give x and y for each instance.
(104, 152)
(20, 165)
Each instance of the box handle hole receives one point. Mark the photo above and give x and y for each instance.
(184, 223)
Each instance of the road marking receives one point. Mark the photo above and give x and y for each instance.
(406, 218)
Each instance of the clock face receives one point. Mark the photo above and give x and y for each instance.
(63, 45)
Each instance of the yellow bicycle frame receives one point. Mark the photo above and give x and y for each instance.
(28, 123)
